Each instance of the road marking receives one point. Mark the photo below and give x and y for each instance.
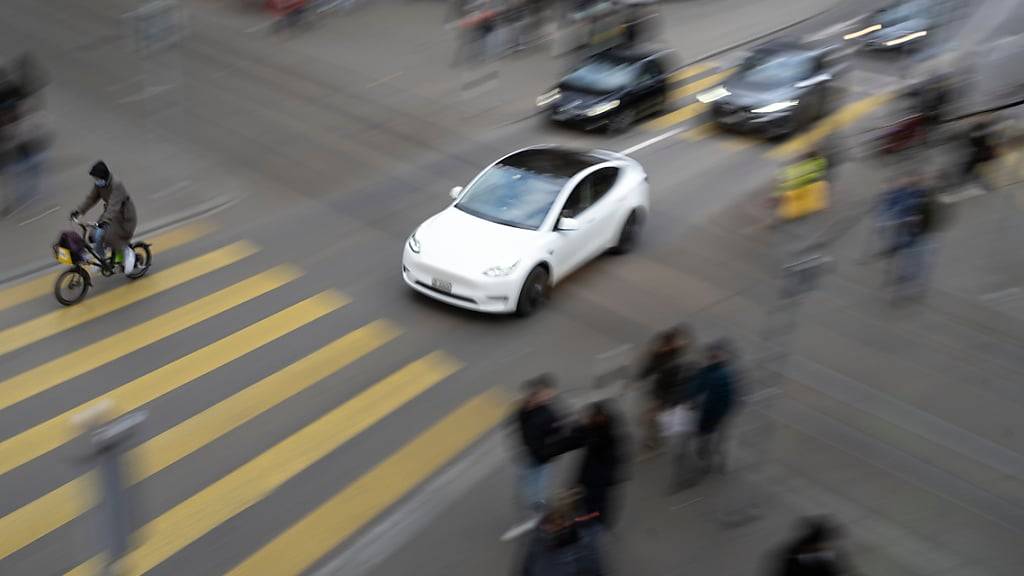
(172, 189)
(51, 511)
(652, 141)
(54, 432)
(336, 520)
(175, 529)
(700, 132)
(384, 80)
(40, 216)
(690, 71)
(672, 118)
(519, 529)
(43, 285)
(100, 305)
(700, 85)
(87, 358)
(844, 117)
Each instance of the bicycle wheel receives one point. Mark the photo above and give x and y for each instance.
(143, 260)
(71, 286)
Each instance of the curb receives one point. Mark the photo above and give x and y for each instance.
(731, 47)
(205, 209)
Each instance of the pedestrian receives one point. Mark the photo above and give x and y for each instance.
(542, 434)
(664, 368)
(600, 471)
(564, 543)
(715, 391)
(814, 552)
(981, 150)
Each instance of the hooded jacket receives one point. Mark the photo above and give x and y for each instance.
(118, 212)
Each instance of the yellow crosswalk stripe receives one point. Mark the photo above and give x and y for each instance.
(97, 306)
(672, 118)
(699, 133)
(333, 522)
(700, 85)
(690, 72)
(844, 117)
(54, 432)
(183, 524)
(51, 511)
(82, 360)
(42, 286)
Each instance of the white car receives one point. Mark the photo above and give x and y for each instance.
(524, 224)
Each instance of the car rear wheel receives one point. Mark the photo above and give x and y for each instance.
(533, 293)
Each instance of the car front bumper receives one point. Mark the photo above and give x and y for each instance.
(579, 120)
(482, 294)
(746, 122)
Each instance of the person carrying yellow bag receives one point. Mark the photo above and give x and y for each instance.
(803, 187)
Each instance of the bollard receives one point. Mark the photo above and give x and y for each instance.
(109, 442)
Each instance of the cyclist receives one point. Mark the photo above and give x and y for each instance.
(116, 225)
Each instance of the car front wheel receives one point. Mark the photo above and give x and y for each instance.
(533, 293)
(629, 234)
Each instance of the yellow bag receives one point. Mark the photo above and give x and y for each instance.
(803, 201)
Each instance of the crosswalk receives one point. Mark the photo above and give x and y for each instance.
(692, 119)
(50, 516)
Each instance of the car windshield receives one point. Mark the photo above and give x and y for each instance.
(601, 76)
(901, 13)
(512, 196)
(777, 69)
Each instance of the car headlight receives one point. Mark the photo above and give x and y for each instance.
(863, 31)
(500, 271)
(776, 107)
(906, 38)
(414, 244)
(714, 94)
(602, 108)
(548, 97)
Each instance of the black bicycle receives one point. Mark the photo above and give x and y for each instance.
(76, 251)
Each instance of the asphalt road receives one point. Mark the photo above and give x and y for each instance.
(295, 388)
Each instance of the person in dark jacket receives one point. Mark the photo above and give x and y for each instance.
(666, 369)
(715, 391)
(116, 225)
(564, 544)
(601, 467)
(814, 552)
(541, 432)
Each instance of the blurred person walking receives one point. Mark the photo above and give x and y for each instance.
(564, 543)
(715, 392)
(603, 442)
(814, 552)
(803, 187)
(664, 368)
(980, 151)
(29, 135)
(542, 434)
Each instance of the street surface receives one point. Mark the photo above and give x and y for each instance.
(308, 414)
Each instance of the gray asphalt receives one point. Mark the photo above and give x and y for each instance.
(334, 169)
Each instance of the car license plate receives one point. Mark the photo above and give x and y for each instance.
(64, 256)
(442, 285)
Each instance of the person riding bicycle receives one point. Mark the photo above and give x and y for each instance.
(116, 225)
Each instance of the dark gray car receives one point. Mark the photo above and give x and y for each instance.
(781, 87)
(901, 25)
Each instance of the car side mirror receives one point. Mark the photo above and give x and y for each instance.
(567, 224)
(456, 191)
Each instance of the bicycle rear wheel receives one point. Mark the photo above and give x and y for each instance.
(143, 260)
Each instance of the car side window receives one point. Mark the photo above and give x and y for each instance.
(601, 181)
(578, 200)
